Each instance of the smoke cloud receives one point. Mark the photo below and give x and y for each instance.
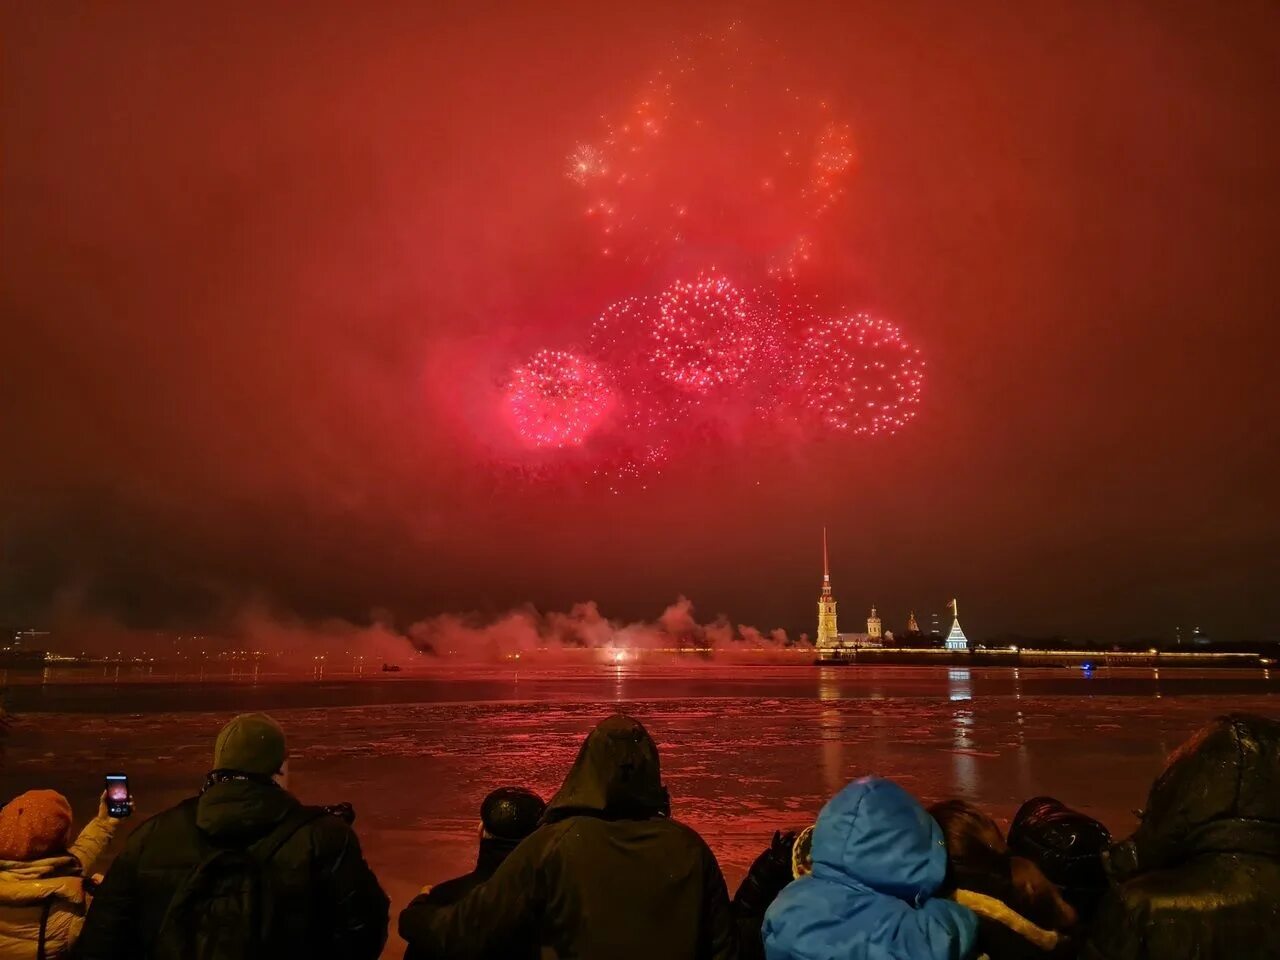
(524, 632)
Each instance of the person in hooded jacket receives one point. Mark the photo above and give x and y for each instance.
(607, 876)
(1021, 914)
(878, 861)
(1200, 877)
(319, 897)
(43, 897)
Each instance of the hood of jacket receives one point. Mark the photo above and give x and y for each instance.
(877, 858)
(235, 812)
(876, 835)
(31, 881)
(1220, 791)
(616, 776)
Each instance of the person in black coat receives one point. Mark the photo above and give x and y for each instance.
(320, 899)
(1200, 877)
(507, 816)
(1067, 846)
(607, 876)
(769, 873)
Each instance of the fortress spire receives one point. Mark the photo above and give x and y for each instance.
(828, 635)
(826, 567)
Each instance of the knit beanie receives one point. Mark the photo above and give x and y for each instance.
(35, 825)
(251, 743)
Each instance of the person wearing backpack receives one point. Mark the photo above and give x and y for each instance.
(241, 872)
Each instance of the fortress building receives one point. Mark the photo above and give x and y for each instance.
(833, 645)
(831, 642)
(828, 635)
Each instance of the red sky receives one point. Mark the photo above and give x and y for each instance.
(256, 265)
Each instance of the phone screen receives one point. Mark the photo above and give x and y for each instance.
(118, 802)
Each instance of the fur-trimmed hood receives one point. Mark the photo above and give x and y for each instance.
(1005, 934)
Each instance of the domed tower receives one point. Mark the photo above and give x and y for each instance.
(912, 626)
(828, 635)
(874, 631)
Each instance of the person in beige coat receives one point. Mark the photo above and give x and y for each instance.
(43, 899)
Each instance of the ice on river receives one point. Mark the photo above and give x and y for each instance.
(745, 749)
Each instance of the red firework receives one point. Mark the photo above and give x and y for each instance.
(858, 374)
(557, 399)
(704, 334)
(658, 180)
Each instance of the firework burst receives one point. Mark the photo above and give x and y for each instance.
(584, 164)
(857, 374)
(659, 179)
(557, 399)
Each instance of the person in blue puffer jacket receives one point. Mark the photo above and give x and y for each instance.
(878, 859)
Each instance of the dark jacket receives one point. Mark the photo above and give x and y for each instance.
(326, 903)
(1200, 878)
(493, 850)
(1067, 846)
(1009, 926)
(878, 861)
(608, 875)
(769, 874)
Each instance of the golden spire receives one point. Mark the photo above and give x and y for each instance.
(826, 567)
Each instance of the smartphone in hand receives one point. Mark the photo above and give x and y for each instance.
(119, 803)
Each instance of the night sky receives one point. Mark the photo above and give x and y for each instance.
(261, 268)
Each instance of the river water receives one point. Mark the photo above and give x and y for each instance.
(745, 749)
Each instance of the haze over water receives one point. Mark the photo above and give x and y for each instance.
(746, 749)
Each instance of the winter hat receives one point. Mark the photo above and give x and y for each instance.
(251, 743)
(35, 825)
(511, 813)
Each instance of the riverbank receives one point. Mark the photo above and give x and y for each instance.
(1013, 657)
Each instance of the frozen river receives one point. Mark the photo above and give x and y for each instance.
(745, 749)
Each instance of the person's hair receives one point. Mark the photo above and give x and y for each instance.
(971, 834)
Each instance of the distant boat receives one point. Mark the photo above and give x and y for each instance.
(390, 668)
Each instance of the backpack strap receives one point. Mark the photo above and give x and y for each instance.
(266, 848)
(44, 929)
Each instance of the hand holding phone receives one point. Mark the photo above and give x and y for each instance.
(119, 801)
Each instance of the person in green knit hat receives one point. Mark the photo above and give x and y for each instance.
(242, 869)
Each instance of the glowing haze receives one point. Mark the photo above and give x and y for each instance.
(357, 313)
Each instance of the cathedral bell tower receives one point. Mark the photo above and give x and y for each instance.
(828, 635)
(874, 631)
